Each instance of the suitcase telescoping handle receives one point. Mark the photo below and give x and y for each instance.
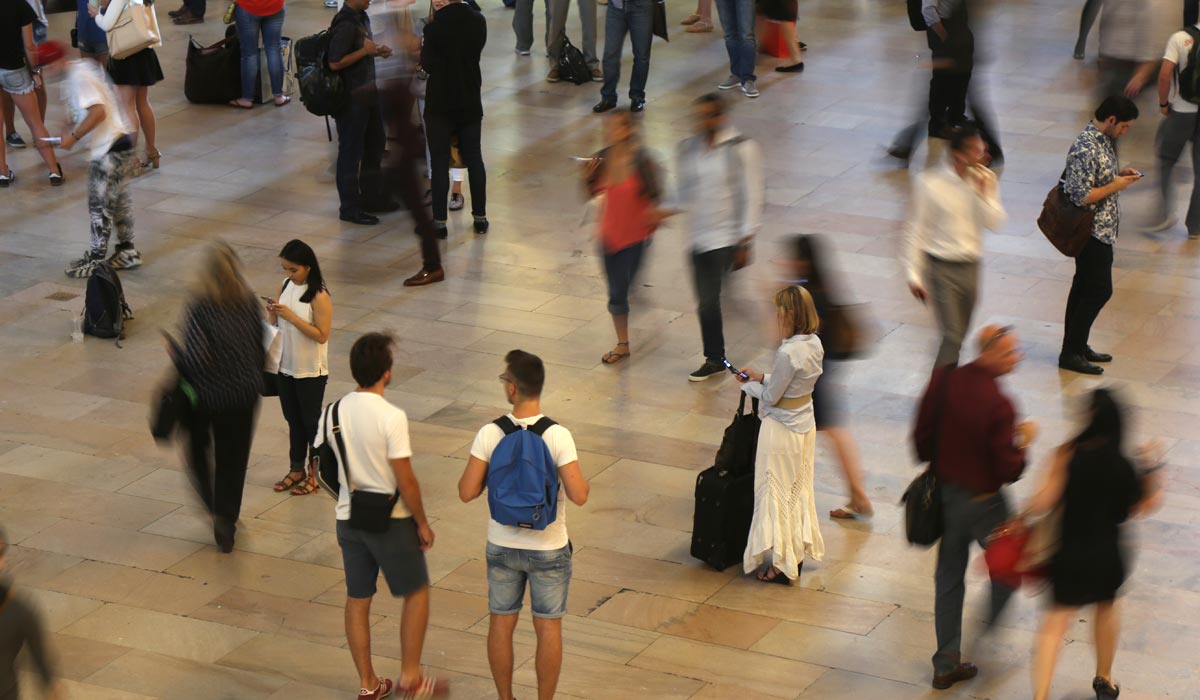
(742, 405)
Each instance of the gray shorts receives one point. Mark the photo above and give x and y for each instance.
(16, 82)
(396, 552)
(93, 48)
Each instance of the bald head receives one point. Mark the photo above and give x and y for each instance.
(999, 350)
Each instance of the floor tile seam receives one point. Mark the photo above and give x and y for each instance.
(810, 665)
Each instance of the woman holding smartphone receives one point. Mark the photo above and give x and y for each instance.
(784, 526)
(303, 312)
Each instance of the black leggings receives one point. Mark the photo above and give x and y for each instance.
(301, 400)
(218, 451)
(438, 131)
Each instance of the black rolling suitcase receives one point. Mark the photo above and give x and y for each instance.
(725, 494)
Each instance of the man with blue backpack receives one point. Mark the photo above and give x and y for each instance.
(527, 463)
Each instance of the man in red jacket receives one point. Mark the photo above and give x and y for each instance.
(979, 449)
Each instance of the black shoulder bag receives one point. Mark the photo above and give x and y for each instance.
(369, 511)
(923, 521)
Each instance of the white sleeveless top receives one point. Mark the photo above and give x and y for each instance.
(300, 356)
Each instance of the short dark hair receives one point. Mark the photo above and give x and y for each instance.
(711, 98)
(526, 372)
(371, 358)
(961, 134)
(1118, 106)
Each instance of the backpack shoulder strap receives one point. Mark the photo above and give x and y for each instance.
(336, 427)
(507, 425)
(540, 427)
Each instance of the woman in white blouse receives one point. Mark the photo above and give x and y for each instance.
(784, 527)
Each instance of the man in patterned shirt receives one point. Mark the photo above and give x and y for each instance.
(1092, 180)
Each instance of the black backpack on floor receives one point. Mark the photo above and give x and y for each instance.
(104, 309)
(571, 65)
(322, 90)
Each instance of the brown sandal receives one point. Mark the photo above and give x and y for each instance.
(612, 358)
(305, 487)
(288, 481)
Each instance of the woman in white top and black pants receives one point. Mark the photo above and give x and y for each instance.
(785, 511)
(304, 315)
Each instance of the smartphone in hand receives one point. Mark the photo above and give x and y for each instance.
(734, 370)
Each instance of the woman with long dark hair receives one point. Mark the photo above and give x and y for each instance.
(808, 269)
(222, 358)
(304, 314)
(1096, 488)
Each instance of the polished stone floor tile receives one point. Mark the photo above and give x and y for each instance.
(172, 635)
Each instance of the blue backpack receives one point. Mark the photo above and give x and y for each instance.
(522, 479)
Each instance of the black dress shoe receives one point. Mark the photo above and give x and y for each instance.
(604, 105)
(637, 106)
(425, 277)
(1092, 356)
(794, 68)
(361, 218)
(1076, 363)
(964, 672)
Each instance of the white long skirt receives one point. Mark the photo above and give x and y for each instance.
(785, 512)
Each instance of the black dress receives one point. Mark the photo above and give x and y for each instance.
(1102, 488)
(141, 68)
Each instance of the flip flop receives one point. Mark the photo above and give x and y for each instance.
(282, 100)
(779, 577)
(612, 358)
(847, 512)
(691, 19)
(239, 105)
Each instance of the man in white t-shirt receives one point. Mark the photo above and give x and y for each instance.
(375, 456)
(515, 554)
(1179, 125)
(96, 115)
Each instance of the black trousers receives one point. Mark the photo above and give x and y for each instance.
(218, 452)
(438, 130)
(360, 154)
(709, 270)
(1090, 291)
(400, 176)
(949, 84)
(301, 401)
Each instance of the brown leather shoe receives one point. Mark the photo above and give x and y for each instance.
(187, 18)
(424, 277)
(178, 13)
(964, 672)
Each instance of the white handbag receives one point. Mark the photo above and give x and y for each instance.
(136, 29)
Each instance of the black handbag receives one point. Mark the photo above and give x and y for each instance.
(174, 409)
(370, 511)
(660, 20)
(923, 519)
(213, 74)
(736, 454)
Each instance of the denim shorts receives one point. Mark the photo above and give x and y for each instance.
(93, 48)
(16, 82)
(396, 552)
(548, 573)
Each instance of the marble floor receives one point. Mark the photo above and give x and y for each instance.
(111, 545)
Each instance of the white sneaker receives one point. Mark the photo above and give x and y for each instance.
(730, 83)
(83, 267)
(750, 89)
(521, 52)
(331, 4)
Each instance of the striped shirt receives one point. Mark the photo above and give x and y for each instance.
(222, 354)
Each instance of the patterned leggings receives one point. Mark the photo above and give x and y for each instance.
(109, 202)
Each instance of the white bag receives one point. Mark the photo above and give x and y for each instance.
(136, 29)
(273, 344)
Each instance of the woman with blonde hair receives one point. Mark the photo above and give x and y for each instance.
(222, 358)
(784, 526)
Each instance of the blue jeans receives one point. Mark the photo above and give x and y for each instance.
(248, 28)
(737, 19)
(636, 18)
(547, 571)
(621, 268)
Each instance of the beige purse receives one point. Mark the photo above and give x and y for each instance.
(136, 29)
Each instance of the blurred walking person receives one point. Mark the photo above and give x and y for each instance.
(1087, 17)
(303, 312)
(1096, 489)
(21, 628)
(785, 527)
(809, 271)
(952, 205)
(970, 426)
(95, 114)
(627, 176)
(133, 76)
(1178, 101)
(636, 18)
(92, 40)
(222, 357)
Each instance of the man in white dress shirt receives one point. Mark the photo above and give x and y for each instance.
(952, 205)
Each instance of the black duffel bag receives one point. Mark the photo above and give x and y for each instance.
(736, 453)
(214, 73)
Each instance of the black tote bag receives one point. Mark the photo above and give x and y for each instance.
(213, 74)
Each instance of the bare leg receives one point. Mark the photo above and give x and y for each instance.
(847, 455)
(788, 29)
(500, 652)
(358, 635)
(549, 655)
(10, 113)
(145, 116)
(413, 621)
(128, 95)
(41, 101)
(621, 326)
(1049, 639)
(704, 9)
(1108, 630)
(28, 106)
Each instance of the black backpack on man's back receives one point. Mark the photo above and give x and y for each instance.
(1189, 77)
(104, 309)
(572, 67)
(322, 90)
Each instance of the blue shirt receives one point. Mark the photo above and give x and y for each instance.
(85, 25)
(1092, 163)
